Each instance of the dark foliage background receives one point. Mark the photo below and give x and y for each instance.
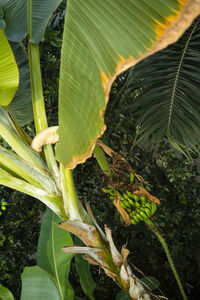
(172, 178)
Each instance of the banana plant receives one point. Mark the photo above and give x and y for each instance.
(100, 41)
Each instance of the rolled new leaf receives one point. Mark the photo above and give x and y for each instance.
(10, 135)
(52, 201)
(16, 166)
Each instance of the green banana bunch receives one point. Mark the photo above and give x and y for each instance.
(138, 207)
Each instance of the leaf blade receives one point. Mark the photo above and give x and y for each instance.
(9, 74)
(39, 284)
(50, 256)
(5, 294)
(91, 60)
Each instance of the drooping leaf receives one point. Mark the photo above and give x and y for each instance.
(83, 269)
(102, 39)
(21, 105)
(2, 22)
(40, 13)
(151, 282)
(37, 284)
(9, 74)
(122, 296)
(5, 294)
(15, 17)
(168, 104)
(51, 258)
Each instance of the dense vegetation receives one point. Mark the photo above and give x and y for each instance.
(172, 178)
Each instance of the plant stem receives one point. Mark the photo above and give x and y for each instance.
(39, 107)
(154, 229)
(101, 159)
(72, 205)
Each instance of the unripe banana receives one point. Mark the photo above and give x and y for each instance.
(147, 211)
(137, 204)
(122, 204)
(138, 215)
(143, 215)
(131, 202)
(129, 194)
(126, 196)
(135, 197)
(135, 219)
(122, 198)
(149, 205)
(143, 199)
(153, 208)
(132, 214)
(133, 222)
(127, 204)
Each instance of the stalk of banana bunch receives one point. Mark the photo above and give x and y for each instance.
(135, 203)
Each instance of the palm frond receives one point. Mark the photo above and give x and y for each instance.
(166, 93)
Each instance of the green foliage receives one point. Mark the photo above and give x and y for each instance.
(171, 179)
(5, 294)
(151, 282)
(83, 269)
(167, 103)
(50, 256)
(38, 284)
(19, 232)
(21, 105)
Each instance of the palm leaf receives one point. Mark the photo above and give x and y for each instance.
(168, 104)
(102, 39)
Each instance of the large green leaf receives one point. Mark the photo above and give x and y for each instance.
(37, 284)
(21, 105)
(51, 258)
(5, 294)
(9, 74)
(122, 296)
(102, 39)
(83, 269)
(168, 104)
(15, 17)
(86, 280)
(40, 13)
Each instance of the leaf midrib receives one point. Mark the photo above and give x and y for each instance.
(176, 79)
(54, 262)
